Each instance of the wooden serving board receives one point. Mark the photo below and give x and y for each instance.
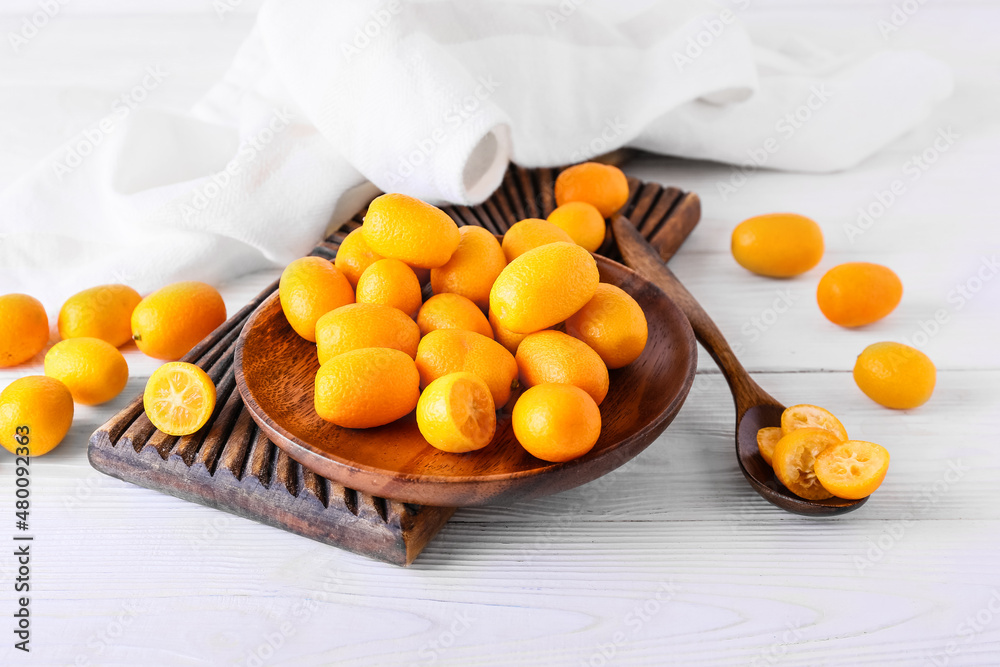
(232, 466)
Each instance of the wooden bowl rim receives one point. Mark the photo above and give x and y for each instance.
(289, 442)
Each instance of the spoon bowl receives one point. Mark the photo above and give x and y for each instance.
(761, 476)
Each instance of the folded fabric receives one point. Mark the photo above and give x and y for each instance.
(327, 102)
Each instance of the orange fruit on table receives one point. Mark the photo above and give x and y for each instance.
(93, 370)
(794, 459)
(173, 319)
(473, 268)
(390, 282)
(582, 221)
(367, 387)
(552, 357)
(543, 287)
(103, 312)
(858, 293)
(359, 325)
(179, 398)
(531, 233)
(24, 328)
(447, 351)
(400, 227)
(556, 422)
(35, 412)
(852, 469)
(767, 440)
(508, 339)
(452, 311)
(456, 414)
(611, 323)
(354, 256)
(811, 416)
(602, 185)
(310, 287)
(778, 245)
(895, 375)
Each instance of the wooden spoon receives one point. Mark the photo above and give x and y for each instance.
(755, 408)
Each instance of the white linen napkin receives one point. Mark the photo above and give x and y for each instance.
(327, 101)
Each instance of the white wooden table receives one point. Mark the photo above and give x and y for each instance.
(673, 559)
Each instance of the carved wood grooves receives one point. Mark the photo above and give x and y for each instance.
(231, 465)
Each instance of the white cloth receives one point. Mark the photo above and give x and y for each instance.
(430, 98)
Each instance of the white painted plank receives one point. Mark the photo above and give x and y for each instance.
(127, 576)
(690, 472)
(681, 514)
(734, 588)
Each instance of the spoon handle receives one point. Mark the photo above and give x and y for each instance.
(641, 257)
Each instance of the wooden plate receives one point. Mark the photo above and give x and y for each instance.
(275, 371)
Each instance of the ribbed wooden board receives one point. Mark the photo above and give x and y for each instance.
(230, 465)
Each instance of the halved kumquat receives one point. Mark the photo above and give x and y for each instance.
(811, 416)
(179, 398)
(794, 460)
(767, 440)
(852, 469)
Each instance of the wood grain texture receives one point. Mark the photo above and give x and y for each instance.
(276, 371)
